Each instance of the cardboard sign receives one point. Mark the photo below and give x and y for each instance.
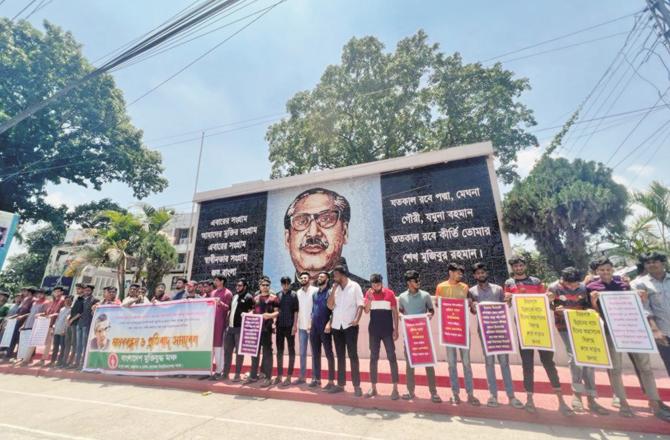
(495, 325)
(38, 338)
(587, 338)
(250, 334)
(418, 341)
(627, 323)
(534, 322)
(454, 322)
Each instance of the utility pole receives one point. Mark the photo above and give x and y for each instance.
(191, 230)
(660, 10)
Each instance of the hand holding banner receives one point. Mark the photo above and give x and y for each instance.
(495, 325)
(533, 323)
(587, 338)
(250, 334)
(628, 326)
(418, 341)
(454, 322)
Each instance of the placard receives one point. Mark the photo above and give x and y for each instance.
(495, 325)
(250, 334)
(534, 322)
(10, 324)
(25, 351)
(38, 337)
(587, 338)
(454, 319)
(627, 323)
(419, 341)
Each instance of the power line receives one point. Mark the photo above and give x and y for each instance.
(647, 139)
(30, 3)
(653, 154)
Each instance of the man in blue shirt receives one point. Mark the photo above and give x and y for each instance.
(320, 332)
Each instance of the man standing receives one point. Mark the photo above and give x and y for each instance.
(346, 302)
(242, 302)
(207, 288)
(381, 304)
(21, 315)
(414, 301)
(305, 296)
(84, 323)
(484, 291)
(454, 288)
(518, 284)
(180, 291)
(191, 292)
(287, 327)
(57, 302)
(38, 308)
(159, 292)
(607, 282)
(265, 304)
(70, 346)
(569, 293)
(223, 298)
(321, 332)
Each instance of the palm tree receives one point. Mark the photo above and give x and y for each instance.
(638, 238)
(155, 256)
(656, 200)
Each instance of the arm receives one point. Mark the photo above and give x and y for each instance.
(396, 320)
(331, 298)
(368, 302)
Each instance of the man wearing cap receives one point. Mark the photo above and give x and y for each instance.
(381, 304)
(84, 324)
(21, 315)
(266, 304)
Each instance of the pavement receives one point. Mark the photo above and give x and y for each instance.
(34, 407)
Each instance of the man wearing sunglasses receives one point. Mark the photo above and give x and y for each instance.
(267, 305)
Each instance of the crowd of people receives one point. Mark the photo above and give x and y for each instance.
(325, 315)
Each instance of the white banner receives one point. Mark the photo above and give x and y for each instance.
(10, 324)
(627, 322)
(38, 337)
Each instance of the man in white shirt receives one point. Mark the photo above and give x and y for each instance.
(346, 302)
(305, 294)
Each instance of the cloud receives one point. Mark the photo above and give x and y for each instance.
(642, 170)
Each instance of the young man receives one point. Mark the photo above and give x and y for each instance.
(180, 289)
(346, 302)
(414, 301)
(60, 329)
(518, 284)
(453, 287)
(207, 288)
(265, 304)
(38, 308)
(569, 293)
(134, 296)
(287, 327)
(84, 323)
(484, 291)
(242, 302)
(70, 345)
(159, 292)
(191, 291)
(381, 304)
(607, 282)
(305, 296)
(321, 332)
(21, 315)
(57, 302)
(223, 299)
(109, 296)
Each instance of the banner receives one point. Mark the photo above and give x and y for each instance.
(587, 338)
(10, 324)
(495, 326)
(159, 339)
(25, 351)
(418, 341)
(250, 334)
(454, 322)
(38, 337)
(627, 323)
(534, 322)
(8, 224)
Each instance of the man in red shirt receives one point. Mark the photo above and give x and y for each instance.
(381, 304)
(57, 302)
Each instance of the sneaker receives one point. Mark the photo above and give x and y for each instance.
(266, 383)
(300, 381)
(249, 380)
(286, 383)
(596, 408)
(625, 411)
(565, 410)
(395, 395)
(455, 400)
(237, 379)
(408, 396)
(335, 389)
(329, 386)
(616, 402)
(530, 406)
(492, 402)
(371, 393)
(358, 392)
(515, 403)
(435, 398)
(577, 404)
(277, 381)
(313, 384)
(473, 401)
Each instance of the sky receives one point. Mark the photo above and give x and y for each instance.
(251, 76)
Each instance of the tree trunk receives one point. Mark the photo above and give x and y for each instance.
(122, 277)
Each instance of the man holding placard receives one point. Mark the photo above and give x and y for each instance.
(569, 293)
(453, 288)
(521, 283)
(485, 292)
(607, 282)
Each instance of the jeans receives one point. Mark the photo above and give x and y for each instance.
(58, 343)
(643, 363)
(346, 342)
(80, 350)
(285, 334)
(69, 342)
(583, 378)
(409, 377)
(528, 367)
(452, 359)
(303, 339)
(266, 348)
(665, 354)
(231, 340)
(389, 346)
(320, 339)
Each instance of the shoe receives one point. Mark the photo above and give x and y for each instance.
(358, 392)
(214, 377)
(435, 398)
(408, 396)
(565, 410)
(371, 393)
(625, 411)
(249, 380)
(277, 381)
(596, 408)
(286, 383)
(473, 401)
(313, 384)
(236, 379)
(336, 389)
(492, 402)
(395, 395)
(299, 381)
(455, 400)
(530, 406)
(515, 403)
(577, 404)
(329, 386)
(660, 414)
(616, 403)
(266, 383)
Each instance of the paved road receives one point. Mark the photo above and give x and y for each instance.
(46, 408)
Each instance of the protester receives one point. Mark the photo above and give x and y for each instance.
(305, 296)
(455, 288)
(70, 344)
(159, 292)
(484, 291)
(321, 332)
(84, 323)
(191, 290)
(4, 307)
(134, 296)
(21, 315)
(286, 329)
(607, 282)
(180, 292)
(109, 296)
(569, 293)
(242, 302)
(38, 308)
(415, 301)
(518, 284)
(346, 302)
(267, 305)
(656, 284)
(207, 288)
(60, 331)
(223, 298)
(57, 302)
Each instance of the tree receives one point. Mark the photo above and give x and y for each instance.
(155, 256)
(562, 204)
(376, 105)
(85, 138)
(638, 238)
(88, 215)
(656, 200)
(537, 264)
(28, 268)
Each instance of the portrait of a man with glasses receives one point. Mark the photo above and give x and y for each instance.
(101, 341)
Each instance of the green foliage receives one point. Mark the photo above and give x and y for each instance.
(656, 200)
(376, 105)
(88, 215)
(159, 258)
(562, 204)
(85, 138)
(537, 265)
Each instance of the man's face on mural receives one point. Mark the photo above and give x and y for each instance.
(316, 235)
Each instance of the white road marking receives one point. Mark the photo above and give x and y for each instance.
(41, 432)
(184, 414)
